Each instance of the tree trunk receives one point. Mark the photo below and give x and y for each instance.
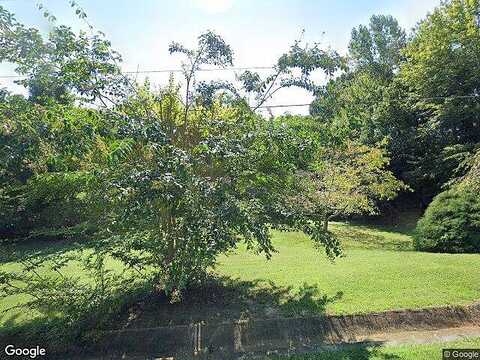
(325, 224)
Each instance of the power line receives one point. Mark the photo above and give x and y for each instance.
(253, 68)
(450, 97)
(269, 106)
(242, 69)
(430, 98)
(282, 106)
(202, 70)
(166, 71)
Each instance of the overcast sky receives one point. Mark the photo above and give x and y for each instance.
(259, 31)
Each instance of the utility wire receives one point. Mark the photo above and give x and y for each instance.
(282, 106)
(248, 68)
(254, 68)
(202, 70)
(429, 98)
(266, 106)
(166, 71)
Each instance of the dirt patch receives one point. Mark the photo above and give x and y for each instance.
(423, 336)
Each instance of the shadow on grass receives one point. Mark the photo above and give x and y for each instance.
(369, 237)
(22, 249)
(217, 300)
(221, 299)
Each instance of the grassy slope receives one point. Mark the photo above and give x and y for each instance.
(376, 273)
(407, 352)
(371, 277)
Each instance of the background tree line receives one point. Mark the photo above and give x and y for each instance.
(420, 94)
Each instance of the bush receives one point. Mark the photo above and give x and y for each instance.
(451, 223)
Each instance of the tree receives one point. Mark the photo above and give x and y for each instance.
(378, 46)
(218, 182)
(48, 157)
(472, 177)
(365, 104)
(304, 59)
(357, 103)
(420, 95)
(358, 112)
(179, 180)
(344, 181)
(440, 75)
(63, 68)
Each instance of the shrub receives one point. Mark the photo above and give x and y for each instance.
(451, 223)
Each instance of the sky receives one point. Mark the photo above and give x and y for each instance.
(259, 31)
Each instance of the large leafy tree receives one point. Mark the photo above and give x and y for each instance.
(175, 180)
(353, 101)
(48, 154)
(420, 96)
(65, 67)
(378, 46)
(336, 178)
(344, 181)
(364, 104)
(48, 144)
(441, 77)
(222, 174)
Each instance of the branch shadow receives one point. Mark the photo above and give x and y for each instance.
(218, 301)
(225, 299)
(11, 252)
(362, 236)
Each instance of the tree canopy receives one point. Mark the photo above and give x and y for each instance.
(417, 93)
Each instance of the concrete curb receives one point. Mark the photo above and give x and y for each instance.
(231, 340)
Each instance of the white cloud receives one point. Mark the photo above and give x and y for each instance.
(214, 6)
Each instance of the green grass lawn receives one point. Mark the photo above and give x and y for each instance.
(406, 352)
(11, 262)
(377, 272)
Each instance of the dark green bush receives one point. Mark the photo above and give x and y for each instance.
(451, 223)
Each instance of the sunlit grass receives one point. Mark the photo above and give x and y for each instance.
(378, 272)
(370, 277)
(404, 352)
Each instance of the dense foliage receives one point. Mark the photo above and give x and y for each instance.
(421, 95)
(451, 223)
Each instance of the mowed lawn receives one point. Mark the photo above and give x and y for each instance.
(378, 272)
(405, 352)
(42, 249)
